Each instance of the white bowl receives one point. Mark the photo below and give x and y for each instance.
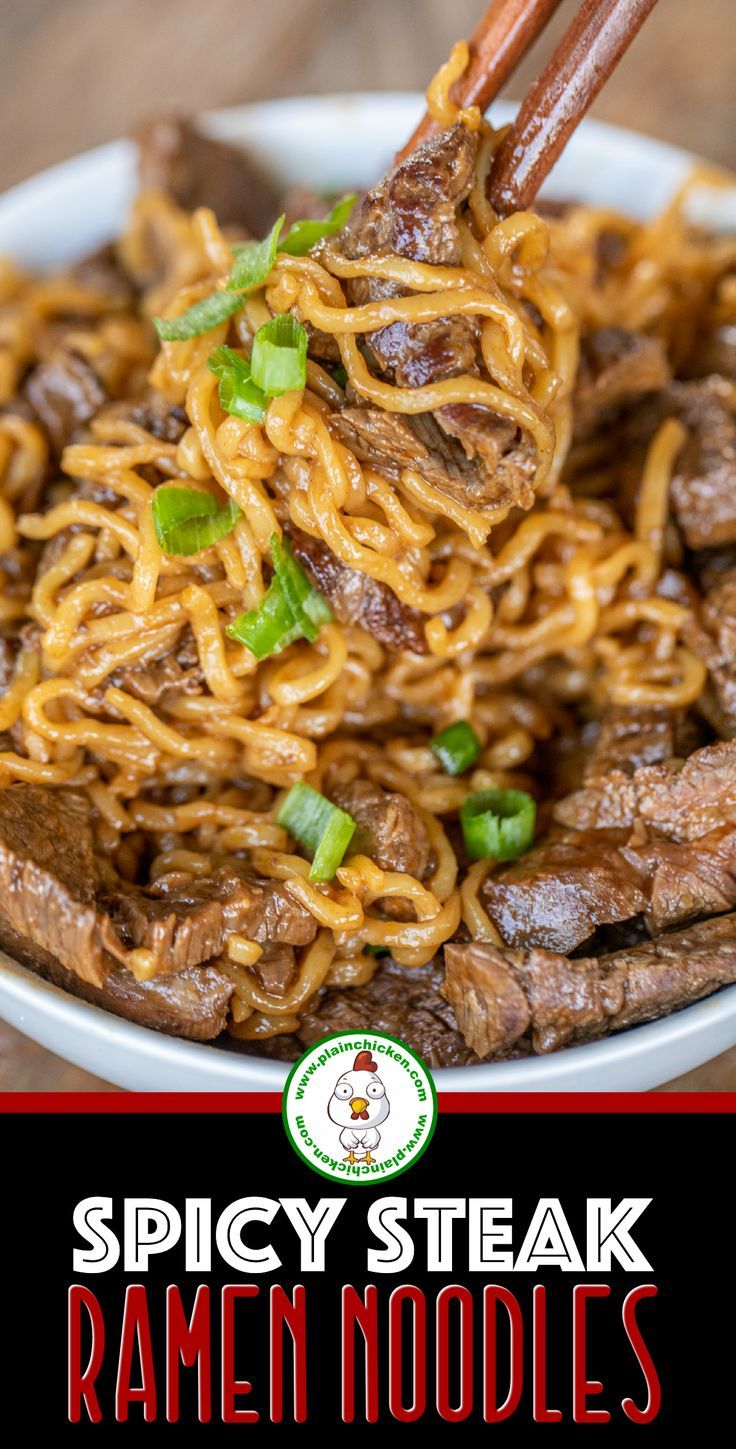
(337, 141)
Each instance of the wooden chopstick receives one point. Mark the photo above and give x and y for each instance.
(587, 54)
(502, 37)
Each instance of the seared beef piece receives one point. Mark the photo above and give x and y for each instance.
(154, 413)
(50, 876)
(616, 368)
(716, 353)
(502, 996)
(192, 1004)
(150, 682)
(712, 636)
(275, 968)
(679, 804)
(413, 213)
(628, 738)
(389, 830)
(65, 393)
(184, 920)
(392, 443)
(100, 271)
(686, 880)
(199, 171)
(357, 599)
(557, 893)
(703, 490)
(406, 1004)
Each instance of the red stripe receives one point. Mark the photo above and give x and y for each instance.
(488, 1102)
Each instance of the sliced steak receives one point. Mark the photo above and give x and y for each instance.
(357, 599)
(616, 368)
(406, 1004)
(199, 171)
(150, 682)
(501, 997)
(389, 830)
(679, 804)
(50, 875)
(185, 920)
(711, 634)
(65, 393)
(629, 738)
(557, 893)
(154, 414)
(193, 1004)
(413, 213)
(686, 880)
(703, 489)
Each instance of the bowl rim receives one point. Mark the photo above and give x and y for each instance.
(236, 1071)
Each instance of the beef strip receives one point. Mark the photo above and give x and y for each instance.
(151, 681)
(389, 830)
(185, 920)
(65, 393)
(616, 368)
(703, 489)
(154, 414)
(686, 880)
(276, 968)
(716, 353)
(406, 1004)
(413, 213)
(199, 171)
(357, 599)
(502, 997)
(192, 1004)
(711, 634)
(629, 738)
(557, 893)
(679, 804)
(63, 899)
(50, 875)
(100, 271)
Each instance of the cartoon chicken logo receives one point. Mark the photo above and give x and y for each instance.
(358, 1104)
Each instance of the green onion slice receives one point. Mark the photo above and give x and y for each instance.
(187, 520)
(269, 628)
(199, 318)
(291, 608)
(340, 376)
(278, 361)
(254, 260)
(498, 823)
(303, 235)
(319, 826)
(309, 609)
(457, 747)
(238, 392)
(369, 950)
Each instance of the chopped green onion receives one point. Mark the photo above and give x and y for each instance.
(199, 318)
(269, 628)
(187, 520)
(309, 609)
(303, 235)
(291, 608)
(457, 747)
(319, 826)
(254, 260)
(278, 361)
(498, 823)
(238, 392)
(340, 376)
(369, 950)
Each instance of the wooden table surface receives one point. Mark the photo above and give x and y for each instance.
(74, 73)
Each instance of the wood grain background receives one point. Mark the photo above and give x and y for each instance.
(74, 73)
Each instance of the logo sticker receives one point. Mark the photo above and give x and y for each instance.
(359, 1108)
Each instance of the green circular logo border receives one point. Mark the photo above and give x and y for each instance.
(360, 1181)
